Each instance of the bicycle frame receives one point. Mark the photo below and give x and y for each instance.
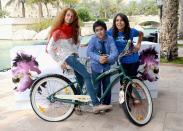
(117, 70)
(83, 98)
(67, 92)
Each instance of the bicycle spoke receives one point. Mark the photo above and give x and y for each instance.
(138, 102)
(51, 109)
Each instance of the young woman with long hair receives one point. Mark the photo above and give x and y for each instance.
(63, 47)
(121, 32)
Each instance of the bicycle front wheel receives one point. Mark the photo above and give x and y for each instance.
(138, 104)
(52, 109)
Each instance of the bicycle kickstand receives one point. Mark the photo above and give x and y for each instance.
(78, 110)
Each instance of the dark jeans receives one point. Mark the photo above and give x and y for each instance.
(82, 75)
(131, 69)
(101, 85)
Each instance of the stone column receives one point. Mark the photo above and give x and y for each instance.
(180, 28)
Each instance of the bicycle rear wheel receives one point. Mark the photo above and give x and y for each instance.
(52, 109)
(138, 104)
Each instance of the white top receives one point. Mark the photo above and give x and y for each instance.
(61, 49)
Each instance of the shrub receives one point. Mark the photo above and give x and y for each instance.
(84, 14)
(40, 26)
(3, 13)
(103, 19)
(81, 23)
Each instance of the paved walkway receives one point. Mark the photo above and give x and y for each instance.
(168, 110)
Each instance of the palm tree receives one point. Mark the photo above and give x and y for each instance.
(40, 9)
(118, 4)
(0, 6)
(18, 2)
(181, 19)
(57, 5)
(39, 4)
(168, 33)
(104, 7)
(46, 2)
(71, 3)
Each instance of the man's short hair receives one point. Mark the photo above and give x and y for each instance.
(99, 23)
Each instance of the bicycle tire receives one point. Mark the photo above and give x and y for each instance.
(128, 110)
(42, 83)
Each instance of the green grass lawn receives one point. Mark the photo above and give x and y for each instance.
(180, 45)
(179, 60)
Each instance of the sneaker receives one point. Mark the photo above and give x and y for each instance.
(97, 109)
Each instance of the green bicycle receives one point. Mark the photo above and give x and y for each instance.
(54, 97)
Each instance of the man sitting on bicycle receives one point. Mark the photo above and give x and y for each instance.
(102, 52)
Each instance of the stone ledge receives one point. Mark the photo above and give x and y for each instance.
(17, 21)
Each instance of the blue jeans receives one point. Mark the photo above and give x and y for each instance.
(82, 75)
(102, 84)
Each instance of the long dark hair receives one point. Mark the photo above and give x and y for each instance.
(126, 29)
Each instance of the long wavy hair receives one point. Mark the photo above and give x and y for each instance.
(126, 29)
(59, 20)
